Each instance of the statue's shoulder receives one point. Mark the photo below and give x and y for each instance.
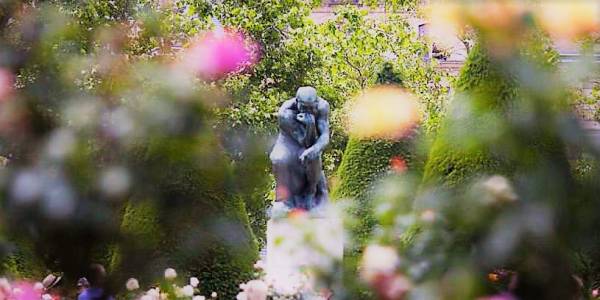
(323, 105)
(286, 106)
(290, 103)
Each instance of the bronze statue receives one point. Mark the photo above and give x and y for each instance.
(296, 156)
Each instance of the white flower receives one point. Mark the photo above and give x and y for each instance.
(132, 284)
(154, 293)
(178, 292)
(194, 281)
(170, 274)
(164, 296)
(256, 290)
(5, 285)
(188, 291)
(199, 298)
(378, 260)
(38, 287)
(241, 296)
(500, 188)
(46, 297)
(428, 216)
(147, 297)
(259, 265)
(213, 294)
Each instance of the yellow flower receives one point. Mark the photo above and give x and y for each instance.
(446, 21)
(570, 19)
(383, 112)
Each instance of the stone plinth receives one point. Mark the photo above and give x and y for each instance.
(297, 245)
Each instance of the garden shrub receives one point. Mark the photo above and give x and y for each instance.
(364, 162)
(21, 261)
(451, 162)
(191, 221)
(485, 94)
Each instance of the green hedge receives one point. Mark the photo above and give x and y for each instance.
(485, 93)
(452, 162)
(363, 163)
(191, 220)
(22, 262)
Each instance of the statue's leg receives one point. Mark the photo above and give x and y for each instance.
(313, 176)
(289, 173)
(322, 194)
(282, 171)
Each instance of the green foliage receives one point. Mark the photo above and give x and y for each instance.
(339, 57)
(484, 93)
(22, 262)
(364, 163)
(87, 72)
(201, 229)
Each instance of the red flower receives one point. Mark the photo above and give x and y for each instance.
(398, 164)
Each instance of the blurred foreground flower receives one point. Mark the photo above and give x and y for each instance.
(188, 291)
(570, 19)
(217, 53)
(132, 284)
(500, 189)
(504, 23)
(170, 274)
(25, 291)
(391, 286)
(383, 112)
(194, 281)
(377, 261)
(253, 290)
(445, 22)
(398, 164)
(6, 84)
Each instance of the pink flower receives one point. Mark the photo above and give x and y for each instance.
(25, 291)
(256, 290)
(378, 260)
(391, 286)
(6, 84)
(217, 53)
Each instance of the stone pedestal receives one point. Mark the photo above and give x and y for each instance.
(296, 245)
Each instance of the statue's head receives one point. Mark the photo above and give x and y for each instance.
(307, 100)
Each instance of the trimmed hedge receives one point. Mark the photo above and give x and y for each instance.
(452, 163)
(191, 220)
(22, 262)
(490, 94)
(363, 163)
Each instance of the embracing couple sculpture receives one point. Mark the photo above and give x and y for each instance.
(296, 155)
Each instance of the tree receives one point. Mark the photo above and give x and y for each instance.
(97, 128)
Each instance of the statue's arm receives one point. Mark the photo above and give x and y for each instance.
(287, 121)
(323, 127)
